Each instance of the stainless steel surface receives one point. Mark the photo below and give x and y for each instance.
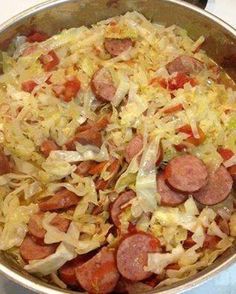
(54, 15)
(200, 3)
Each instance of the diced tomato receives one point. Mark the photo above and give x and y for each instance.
(37, 37)
(225, 153)
(28, 86)
(158, 82)
(71, 89)
(174, 83)
(210, 242)
(97, 169)
(191, 139)
(49, 61)
(179, 81)
(180, 147)
(173, 109)
(47, 146)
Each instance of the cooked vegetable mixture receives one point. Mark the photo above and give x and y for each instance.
(118, 156)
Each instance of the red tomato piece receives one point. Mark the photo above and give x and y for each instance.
(71, 89)
(28, 86)
(225, 153)
(179, 81)
(191, 139)
(173, 109)
(49, 61)
(37, 37)
(159, 82)
(180, 147)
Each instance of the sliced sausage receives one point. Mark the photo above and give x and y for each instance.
(30, 250)
(186, 173)
(63, 199)
(89, 137)
(116, 206)
(133, 147)
(217, 189)
(154, 280)
(67, 271)
(36, 229)
(100, 124)
(4, 164)
(117, 46)
(223, 225)
(101, 184)
(103, 86)
(61, 223)
(232, 171)
(84, 167)
(132, 255)
(210, 242)
(188, 242)
(169, 197)
(47, 146)
(99, 274)
(185, 64)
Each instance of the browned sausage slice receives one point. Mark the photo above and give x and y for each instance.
(103, 86)
(63, 199)
(61, 223)
(133, 148)
(47, 146)
(89, 137)
(210, 242)
(185, 64)
(30, 250)
(217, 189)
(99, 274)
(4, 164)
(232, 171)
(168, 196)
(186, 173)
(36, 229)
(132, 255)
(67, 271)
(117, 46)
(116, 206)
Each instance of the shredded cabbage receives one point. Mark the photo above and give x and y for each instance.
(146, 186)
(53, 262)
(158, 261)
